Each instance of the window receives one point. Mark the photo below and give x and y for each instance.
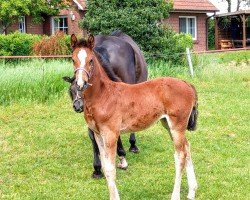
(188, 25)
(22, 25)
(60, 24)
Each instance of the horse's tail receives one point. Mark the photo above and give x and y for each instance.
(192, 122)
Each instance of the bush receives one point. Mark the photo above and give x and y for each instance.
(211, 34)
(140, 20)
(17, 44)
(172, 46)
(58, 44)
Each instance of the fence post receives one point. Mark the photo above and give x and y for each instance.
(190, 62)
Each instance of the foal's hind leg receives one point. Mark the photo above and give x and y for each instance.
(180, 160)
(192, 183)
(133, 148)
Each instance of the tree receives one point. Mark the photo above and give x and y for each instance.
(238, 3)
(11, 10)
(139, 19)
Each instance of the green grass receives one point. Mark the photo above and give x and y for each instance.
(37, 80)
(45, 152)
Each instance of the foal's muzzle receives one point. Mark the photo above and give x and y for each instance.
(78, 105)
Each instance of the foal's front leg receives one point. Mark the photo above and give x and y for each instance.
(107, 145)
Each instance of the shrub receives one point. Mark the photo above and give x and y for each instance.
(58, 44)
(172, 46)
(211, 34)
(17, 44)
(140, 20)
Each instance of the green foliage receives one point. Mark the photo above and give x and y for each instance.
(211, 34)
(136, 18)
(141, 20)
(172, 46)
(17, 44)
(11, 10)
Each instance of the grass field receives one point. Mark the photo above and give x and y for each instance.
(45, 152)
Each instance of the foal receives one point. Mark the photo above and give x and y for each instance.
(112, 108)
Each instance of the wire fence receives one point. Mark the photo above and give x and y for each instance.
(39, 78)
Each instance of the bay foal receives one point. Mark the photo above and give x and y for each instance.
(112, 108)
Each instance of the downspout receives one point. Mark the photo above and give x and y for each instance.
(207, 29)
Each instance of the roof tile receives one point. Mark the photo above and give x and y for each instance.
(194, 5)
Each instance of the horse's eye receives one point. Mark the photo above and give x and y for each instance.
(73, 61)
(91, 62)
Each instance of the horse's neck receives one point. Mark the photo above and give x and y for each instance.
(99, 80)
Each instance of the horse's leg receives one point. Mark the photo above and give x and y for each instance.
(133, 148)
(180, 160)
(107, 145)
(192, 183)
(97, 163)
(121, 153)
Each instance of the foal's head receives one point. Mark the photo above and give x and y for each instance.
(82, 58)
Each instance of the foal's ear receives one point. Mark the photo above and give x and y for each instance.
(68, 79)
(91, 41)
(73, 41)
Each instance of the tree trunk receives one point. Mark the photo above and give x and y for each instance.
(229, 5)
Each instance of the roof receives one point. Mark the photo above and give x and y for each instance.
(194, 5)
(81, 4)
(241, 12)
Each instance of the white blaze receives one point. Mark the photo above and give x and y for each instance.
(82, 57)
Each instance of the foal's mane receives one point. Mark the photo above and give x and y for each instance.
(103, 57)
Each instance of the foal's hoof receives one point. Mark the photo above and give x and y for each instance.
(120, 166)
(97, 175)
(134, 149)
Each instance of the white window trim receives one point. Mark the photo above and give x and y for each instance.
(24, 24)
(195, 22)
(53, 23)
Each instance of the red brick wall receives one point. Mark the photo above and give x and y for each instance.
(74, 24)
(34, 28)
(45, 27)
(200, 44)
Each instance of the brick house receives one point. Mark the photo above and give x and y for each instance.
(67, 21)
(188, 16)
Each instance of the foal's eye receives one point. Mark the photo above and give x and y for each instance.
(73, 61)
(91, 62)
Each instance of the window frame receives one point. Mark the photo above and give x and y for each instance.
(195, 25)
(53, 20)
(22, 22)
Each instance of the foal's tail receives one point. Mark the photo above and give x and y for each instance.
(192, 122)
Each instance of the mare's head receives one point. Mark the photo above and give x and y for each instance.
(82, 58)
(75, 95)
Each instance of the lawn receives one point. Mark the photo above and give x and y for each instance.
(45, 152)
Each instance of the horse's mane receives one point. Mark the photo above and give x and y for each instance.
(103, 57)
(116, 33)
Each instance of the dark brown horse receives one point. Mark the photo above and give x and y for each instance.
(112, 108)
(123, 61)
